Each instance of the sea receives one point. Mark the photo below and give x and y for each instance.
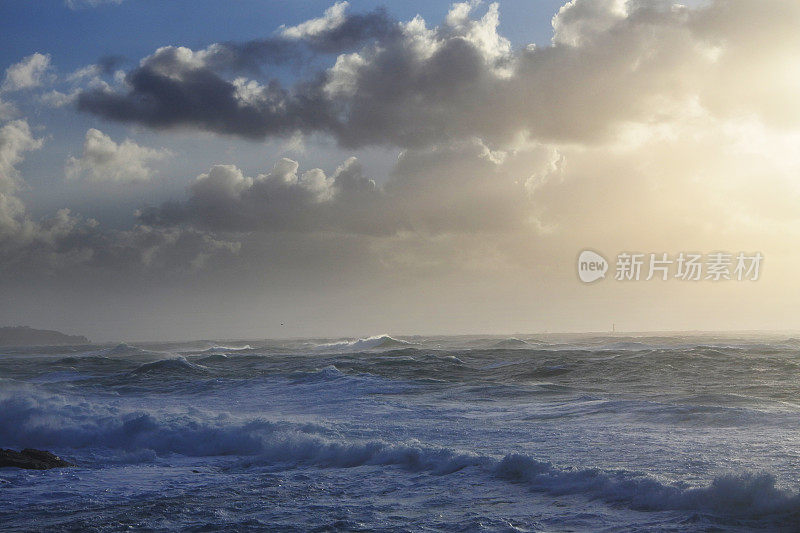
(591, 432)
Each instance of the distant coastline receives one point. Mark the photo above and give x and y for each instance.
(27, 336)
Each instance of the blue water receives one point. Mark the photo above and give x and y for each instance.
(552, 433)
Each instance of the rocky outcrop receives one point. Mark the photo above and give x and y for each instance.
(31, 459)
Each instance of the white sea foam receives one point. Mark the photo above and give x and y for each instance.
(53, 422)
(224, 349)
(635, 437)
(367, 343)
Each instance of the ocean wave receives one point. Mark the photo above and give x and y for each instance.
(54, 422)
(36, 420)
(60, 377)
(214, 358)
(225, 349)
(344, 383)
(126, 350)
(745, 495)
(515, 343)
(395, 358)
(91, 358)
(171, 366)
(630, 345)
(367, 343)
(328, 373)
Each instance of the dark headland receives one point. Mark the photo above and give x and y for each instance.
(26, 336)
(31, 459)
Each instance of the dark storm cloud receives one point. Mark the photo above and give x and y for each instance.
(348, 34)
(179, 87)
(200, 98)
(410, 86)
(253, 56)
(108, 64)
(166, 91)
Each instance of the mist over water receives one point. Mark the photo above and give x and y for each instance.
(569, 432)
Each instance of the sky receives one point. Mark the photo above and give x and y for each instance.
(266, 169)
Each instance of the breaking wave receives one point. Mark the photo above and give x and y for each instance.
(53, 422)
(225, 349)
(175, 365)
(747, 495)
(368, 343)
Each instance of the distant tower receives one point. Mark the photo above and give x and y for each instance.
(613, 328)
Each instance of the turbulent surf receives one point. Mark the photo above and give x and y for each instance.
(578, 433)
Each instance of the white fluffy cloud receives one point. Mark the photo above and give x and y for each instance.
(15, 139)
(7, 110)
(31, 72)
(105, 160)
(333, 18)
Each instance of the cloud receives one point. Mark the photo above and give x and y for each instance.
(487, 131)
(282, 199)
(15, 139)
(65, 241)
(90, 76)
(31, 72)
(105, 160)
(334, 18)
(610, 64)
(641, 126)
(459, 188)
(7, 110)
(65, 244)
(338, 31)
(702, 181)
(173, 87)
(179, 87)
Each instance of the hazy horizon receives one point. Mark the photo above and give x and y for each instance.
(529, 335)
